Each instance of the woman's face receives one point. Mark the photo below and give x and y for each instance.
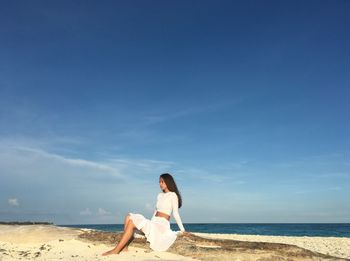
(162, 184)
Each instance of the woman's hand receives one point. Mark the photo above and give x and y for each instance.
(186, 233)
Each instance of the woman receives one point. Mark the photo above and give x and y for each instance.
(157, 230)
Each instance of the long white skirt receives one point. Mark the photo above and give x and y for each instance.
(157, 231)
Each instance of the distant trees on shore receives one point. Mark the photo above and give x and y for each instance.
(25, 223)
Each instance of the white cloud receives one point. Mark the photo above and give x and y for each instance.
(190, 111)
(99, 213)
(68, 183)
(102, 212)
(13, 202)
(85, 212)
(74, 162)
(149, 206)
(32, 160)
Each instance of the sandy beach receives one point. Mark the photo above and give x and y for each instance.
(49, 242)
(39, 242)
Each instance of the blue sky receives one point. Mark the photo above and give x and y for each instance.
(245, 103)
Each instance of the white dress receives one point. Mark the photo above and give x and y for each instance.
(157, 229)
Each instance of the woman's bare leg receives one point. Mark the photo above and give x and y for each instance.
(128, 233)
(126, 221)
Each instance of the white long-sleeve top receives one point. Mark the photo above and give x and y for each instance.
(167, 202)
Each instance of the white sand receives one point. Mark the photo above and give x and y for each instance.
(55, 243)
(334, 246)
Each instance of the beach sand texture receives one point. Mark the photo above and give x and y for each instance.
(334, 246)
(48, 242)
(41, 242)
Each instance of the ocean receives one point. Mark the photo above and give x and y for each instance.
(271, 229)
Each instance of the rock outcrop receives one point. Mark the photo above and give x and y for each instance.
(219, 249)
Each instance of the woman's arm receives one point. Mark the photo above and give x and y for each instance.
(175, 204)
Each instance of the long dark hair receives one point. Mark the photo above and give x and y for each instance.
(170, 183)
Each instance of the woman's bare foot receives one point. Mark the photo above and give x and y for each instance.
(110, 252)
(125, 249)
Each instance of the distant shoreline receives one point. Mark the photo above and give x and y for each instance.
(25, 223)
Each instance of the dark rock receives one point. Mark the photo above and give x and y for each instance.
(218, 249)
